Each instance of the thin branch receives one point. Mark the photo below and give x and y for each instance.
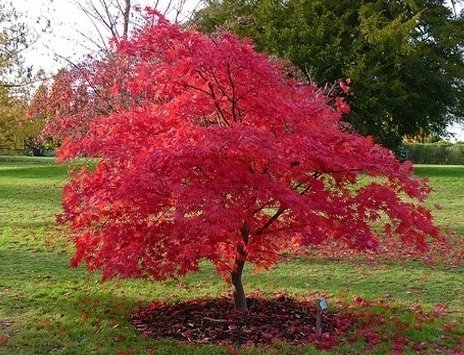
(233, 100)
(342, 171)
(126, 15)
(198, 89)
(216, 104)
(94, 20)
(251, 90)
(264, 205)
(221, 89)
(270, 221)
(111, 21)
(94, 88)
(168, 6)
(11, 85)
(93, 41)
(280, 211)
(453, 4)
(193, 11)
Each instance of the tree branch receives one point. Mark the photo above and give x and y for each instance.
(270, 221)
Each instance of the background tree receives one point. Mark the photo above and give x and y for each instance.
(17, 131)
(216, 155)
(15, 81)
(11, 114)
(15, 38)
(117, 18)
(405, 58)
(111, 20)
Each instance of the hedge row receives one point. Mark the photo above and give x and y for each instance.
(435, 153)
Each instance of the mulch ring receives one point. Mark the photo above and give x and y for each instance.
(212, 321)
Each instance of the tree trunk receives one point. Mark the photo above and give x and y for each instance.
(126, 16)
(240, 303)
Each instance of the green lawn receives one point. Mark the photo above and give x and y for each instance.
(47, 307)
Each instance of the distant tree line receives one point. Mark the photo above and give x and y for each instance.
(435, 153)
(16, 131)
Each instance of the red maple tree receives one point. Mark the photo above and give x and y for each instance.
(207, 151)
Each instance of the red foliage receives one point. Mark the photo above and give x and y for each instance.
(444, 251)
(399, 344)
(371, 337)
(449, 326)
(208, 151)
(420, 346)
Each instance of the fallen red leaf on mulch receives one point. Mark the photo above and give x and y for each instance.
(280, 319)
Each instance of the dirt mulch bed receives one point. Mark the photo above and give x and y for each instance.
(277, 320)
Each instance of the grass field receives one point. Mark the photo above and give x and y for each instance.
(47, 307)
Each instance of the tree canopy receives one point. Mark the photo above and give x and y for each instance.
(15, 37)
(207, 151)
(405, 58)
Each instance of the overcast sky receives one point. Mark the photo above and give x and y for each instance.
(67, 21)
(63, 39)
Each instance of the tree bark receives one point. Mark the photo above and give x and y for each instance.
(240, 303)
(126, 15)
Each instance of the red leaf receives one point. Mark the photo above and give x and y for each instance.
(450, 325)
(420, 346)
(196, 162)
(84, 316)
(344, 86)
(3, 339)
(120, 337)
(440, 310)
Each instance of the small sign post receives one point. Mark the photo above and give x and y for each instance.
(321, 306)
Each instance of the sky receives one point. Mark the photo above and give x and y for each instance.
(64, 38)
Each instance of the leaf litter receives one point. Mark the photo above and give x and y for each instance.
(281, 319)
